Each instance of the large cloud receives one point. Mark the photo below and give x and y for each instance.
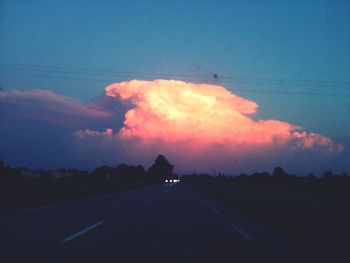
(203, 114)
(198, 126)
(207, 126)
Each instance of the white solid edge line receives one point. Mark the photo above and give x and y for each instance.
(67, 239)
(145, 200)
(81, 200)
(241, 232)
(215, 211)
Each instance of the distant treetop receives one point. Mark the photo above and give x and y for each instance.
(161, 168)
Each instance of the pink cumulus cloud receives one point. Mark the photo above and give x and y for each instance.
(203, 116)
(197, 126)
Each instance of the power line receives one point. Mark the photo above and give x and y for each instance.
(56, 73)
(280, 81)
(58, 77)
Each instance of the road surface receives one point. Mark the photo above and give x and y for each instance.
(164, 223)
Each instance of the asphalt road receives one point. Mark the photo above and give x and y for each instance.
(154, 224)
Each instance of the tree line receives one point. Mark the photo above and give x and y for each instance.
(23, 187)
(278, 176)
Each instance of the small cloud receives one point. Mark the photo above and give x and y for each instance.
(92, 133)
(43, 105)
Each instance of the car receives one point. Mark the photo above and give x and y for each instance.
(172, 181)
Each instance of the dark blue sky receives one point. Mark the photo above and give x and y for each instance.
(190, 40)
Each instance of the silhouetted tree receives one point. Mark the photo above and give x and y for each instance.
(327, 175)
(344, 174)
(161, 168)
(103, 171)
(311, 176)
(279, 172)
(139, 171)
(2, 167)
(130, 171)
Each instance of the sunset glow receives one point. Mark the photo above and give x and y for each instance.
(202, 116)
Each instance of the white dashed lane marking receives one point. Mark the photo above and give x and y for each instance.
(78, 234)
(243, 234)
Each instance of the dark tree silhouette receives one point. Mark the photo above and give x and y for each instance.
(103, 171)
(130, 171)
(279, 172)
(327, 175)
(161, 168)
(344, 174)
(2, 167)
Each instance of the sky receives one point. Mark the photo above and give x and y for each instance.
(292, 58)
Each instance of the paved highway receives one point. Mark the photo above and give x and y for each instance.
(155, 224)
